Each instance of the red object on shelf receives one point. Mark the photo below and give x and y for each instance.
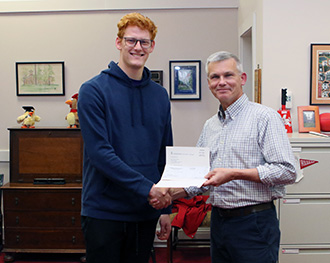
(325, 122)
(285, 114)
(286, 117)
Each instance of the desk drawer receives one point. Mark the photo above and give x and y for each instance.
(304, 254)
(36, 219)
(44, 238)
(305, 219)
(316, 179)
(29, 200)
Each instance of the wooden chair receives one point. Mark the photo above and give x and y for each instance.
(175, 241)
(153, 255)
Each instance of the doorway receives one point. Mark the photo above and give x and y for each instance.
(246, 57)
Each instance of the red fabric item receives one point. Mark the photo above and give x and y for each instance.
(191, 213)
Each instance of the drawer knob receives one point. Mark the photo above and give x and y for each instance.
(17, 239)
(17, 220)
(16, 200)
(73, 220)
(73, 240)
(73, 201)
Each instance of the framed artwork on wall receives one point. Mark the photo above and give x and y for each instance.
(185, 80)
(308, 118)
(157, 76)
(40, 79)
(320, 74)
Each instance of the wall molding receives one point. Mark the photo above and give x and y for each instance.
(19, 6)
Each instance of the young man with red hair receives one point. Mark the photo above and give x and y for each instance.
(126, 124)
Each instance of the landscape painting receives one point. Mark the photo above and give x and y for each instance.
(40, 78)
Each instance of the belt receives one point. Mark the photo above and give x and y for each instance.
(244, 211)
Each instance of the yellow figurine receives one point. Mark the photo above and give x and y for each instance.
(72, 116)
(29, 118)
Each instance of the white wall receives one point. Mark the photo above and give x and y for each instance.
(287, 48)
(85, 41)
(285, 30)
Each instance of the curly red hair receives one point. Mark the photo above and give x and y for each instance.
(136, 19)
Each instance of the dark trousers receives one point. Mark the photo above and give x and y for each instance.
(110, 241)
(245, 239)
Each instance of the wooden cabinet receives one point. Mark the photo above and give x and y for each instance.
(45, 153)
(40, 218)
(43, 216)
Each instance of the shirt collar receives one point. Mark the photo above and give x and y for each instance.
(234, 109)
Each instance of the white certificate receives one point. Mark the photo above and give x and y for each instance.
(185, 166)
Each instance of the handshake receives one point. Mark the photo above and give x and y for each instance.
(160, 198)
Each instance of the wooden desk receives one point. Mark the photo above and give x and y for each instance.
(43, 218)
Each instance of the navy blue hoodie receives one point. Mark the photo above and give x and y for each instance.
(125, 128)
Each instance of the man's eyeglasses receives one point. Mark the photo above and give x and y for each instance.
(131, 42)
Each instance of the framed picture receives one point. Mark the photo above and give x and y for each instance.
(308, 118)
(185, 80)
(157, 76)
(320, 74)
(40, 79)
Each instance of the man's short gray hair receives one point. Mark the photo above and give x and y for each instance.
(221, 56)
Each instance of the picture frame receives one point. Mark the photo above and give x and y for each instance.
(40, 79)
(185, 80)
(309, 118)
(157, 76)
(320, 74)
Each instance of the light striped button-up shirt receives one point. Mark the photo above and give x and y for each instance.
(250, 135)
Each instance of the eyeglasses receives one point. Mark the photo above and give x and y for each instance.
(131, 42)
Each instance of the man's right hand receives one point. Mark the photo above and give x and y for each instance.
(169, 194)
(159, 198)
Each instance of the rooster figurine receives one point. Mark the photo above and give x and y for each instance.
(72, 117)
(29, 118)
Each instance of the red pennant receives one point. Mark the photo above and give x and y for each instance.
(305, 163)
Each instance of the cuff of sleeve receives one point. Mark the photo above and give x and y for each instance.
(145, 187)
(193, 191)
(167, 210)
(262, 175)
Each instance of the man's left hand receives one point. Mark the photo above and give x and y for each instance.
(165, 227)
